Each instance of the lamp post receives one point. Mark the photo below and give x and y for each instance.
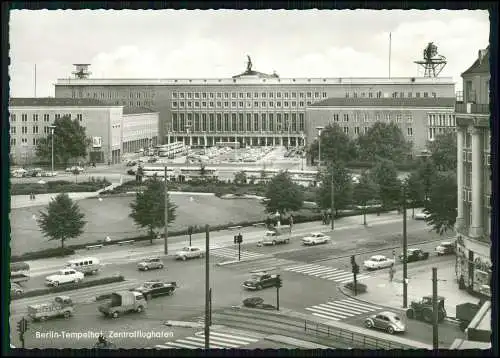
(405, 253)
(303, 153)
(188, 127)
(52, 128)
(320, 128)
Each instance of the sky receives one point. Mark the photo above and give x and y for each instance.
(214, 44)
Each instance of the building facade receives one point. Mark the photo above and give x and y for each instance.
(251, 108)
(473, 225)
(419, 118)
(106, 125)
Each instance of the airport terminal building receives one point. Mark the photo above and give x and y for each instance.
(258, 109)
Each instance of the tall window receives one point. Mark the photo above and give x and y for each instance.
(249, 122)
(264, 122)
(278, 122)
(212, 122)
(24, 117)
(301, 122)
(219, 122)
(204, 122)
(271, 122)
(12, 117)
(410, 131)
(233, 122)
(35, 118)
(255, 122)
(294, 122)
(336, 117)
(226, 122)
(241, 119)
(182, 122)
(197, 122)
(346, 117)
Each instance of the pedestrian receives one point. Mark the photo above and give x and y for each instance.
(391, 273)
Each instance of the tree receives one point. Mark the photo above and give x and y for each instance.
(283, 194)
(383, 140)
(443, 151)
(426, 171)
(414, 190)
(148, 208)
(336, 146)
(385, 176)
(240, 178)
(441, 207)
(342, 188)
(62, 220)
(364, 191)
(70, 141)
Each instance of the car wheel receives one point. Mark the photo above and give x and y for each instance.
(77, 280)
(67, 314)
(274, 242)
(287, 241)
(390, 330)
(44, 318)
(183, 258)
(139, 309)
(18, 293)
(146, 268)
(259, 287)
(115, 314)
(55, 283)
(94, 272)
(160, 267)
(369, 324)
(149, 297)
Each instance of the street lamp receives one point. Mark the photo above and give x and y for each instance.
(405, 253)
(303, 153)
(188, 127)
(52, 128)
(320, 128)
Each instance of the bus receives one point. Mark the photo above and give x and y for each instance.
(181, 174)
(233, 145)
(171, 150)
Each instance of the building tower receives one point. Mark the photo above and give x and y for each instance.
(432, 62)
(81, 70)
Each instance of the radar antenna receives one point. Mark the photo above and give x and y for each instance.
(432, 63)
(81, 70)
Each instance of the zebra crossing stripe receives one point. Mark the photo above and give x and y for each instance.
(201, 341)
(360, 304)
(317, 271)
(330, 312)
(226, 252)
(175, 345)
(223, 335)
(337, 275)
(327, 317)
(348, 279)
(330, 316)
(342, 307)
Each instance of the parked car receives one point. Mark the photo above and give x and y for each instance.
(75, 168)
(16, 289)
(131, 163)
(60, 306)
(64, 276)
(274, 237)
(445, 248)
(316, 238)
(19, 173)
(261, 280)
(421, 216)
(150, 263)
(413, 255)
(378, 262)
(155, 288)
(189, 252)
(386, 321)
(123, 302)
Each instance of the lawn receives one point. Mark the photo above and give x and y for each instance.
(110, 218)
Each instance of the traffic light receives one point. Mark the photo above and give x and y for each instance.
(238, 239)
(235, 239)
(353, 260)
(279, 281)
(190, 230)
(22, 325)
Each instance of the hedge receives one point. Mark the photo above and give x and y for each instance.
(58, 186)
(361, 287)
(34, 255)
(69, 287)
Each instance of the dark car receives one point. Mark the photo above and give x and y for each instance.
(258, 281)
(156, 288)
(413, 255)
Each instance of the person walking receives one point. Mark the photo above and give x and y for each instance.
(391, 273)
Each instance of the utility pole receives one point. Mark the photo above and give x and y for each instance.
(333, 201)
(210, 308)
(238, 239)
(355, 271)
(435, 310)
(166, 214)
(190, 232)
(279, 283)
(22, 327)
(405, 253)
(207, 288)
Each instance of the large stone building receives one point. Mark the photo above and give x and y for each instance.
(114, 129)
(251, 108)
(473, 225)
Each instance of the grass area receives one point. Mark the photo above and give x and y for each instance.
(110, 218)
(58, 186)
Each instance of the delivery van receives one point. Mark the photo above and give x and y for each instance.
(86, 265)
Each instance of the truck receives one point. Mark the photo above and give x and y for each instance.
(277, 236)
(123, 302)
(60, 306)
(19, 272)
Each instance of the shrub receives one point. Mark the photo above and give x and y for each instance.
(58, 186)
(69, 287)
(360, 287)
(53, 252)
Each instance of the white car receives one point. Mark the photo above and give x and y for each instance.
(316, 238)
(64, 276)
(378, 262)
(75, 169)
(189, 252)
(421, 216)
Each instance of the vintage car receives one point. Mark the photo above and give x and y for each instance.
(155, 288)
(413, 255)
(277, 236)
(260, 280)
(150, 263)
(420, 216)
(64, 276)
(316, 238)
(378, 262)
(189, 252)
(123, 302)
(60, 306)
(16, 289)
(386, 321)
(445, 248)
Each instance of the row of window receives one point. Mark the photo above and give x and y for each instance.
(13, 141)
(363, 117)
(433, 132)
(241, 95)
(393, 95)
(112, 95)
(240, 104)
(24, 130)
(218, 122)
(441, 120)
(46, 117)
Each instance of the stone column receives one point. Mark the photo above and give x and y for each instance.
(281, 141)
(476, 227)
(461, 131)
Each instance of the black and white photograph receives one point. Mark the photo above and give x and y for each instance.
(250, 179)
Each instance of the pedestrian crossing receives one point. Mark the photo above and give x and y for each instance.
(325, 272)
(261, 264)
(341, 309)
(217, 341)
(231, 253)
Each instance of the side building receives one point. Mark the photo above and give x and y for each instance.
(419, 118)
(251, 108)
(113, 130)
(473, 224)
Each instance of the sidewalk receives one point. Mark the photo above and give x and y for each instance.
(23, 201)
(382, 292)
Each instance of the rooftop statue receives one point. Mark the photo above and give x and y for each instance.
(249, 64)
